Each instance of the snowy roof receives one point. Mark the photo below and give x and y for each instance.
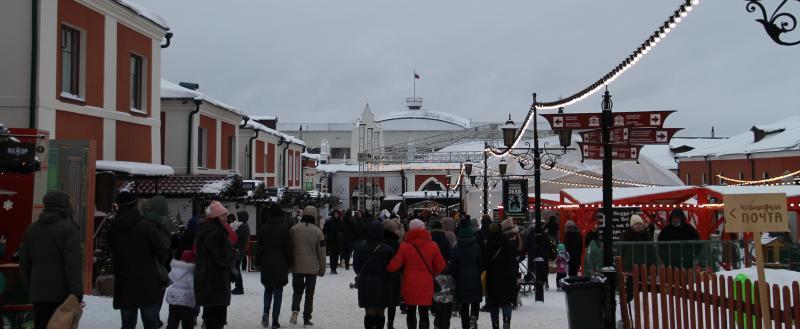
(134, 168)
(783, 135)
(431, 195)
(170, 90)
(316, 126)
(790, 190)
(594, 195)
(425, 115)
(176, 185)
(263, 117)
(144, 12)
(660, 154)
(547, 196)
(350, 167)
(255, 125)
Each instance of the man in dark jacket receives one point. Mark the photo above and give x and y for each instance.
(481, 234)
(334, 235)
(274, 255)
(369, 263)
(438, 236)
(465, 266)
(348, 234)
(243, 239)
(552, 229)
(574, 244)
(683, 254)
(137, 251)
(50, 258)
(215, 258)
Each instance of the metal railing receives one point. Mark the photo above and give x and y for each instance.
(717, 255)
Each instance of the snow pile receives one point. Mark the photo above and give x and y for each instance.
(144, 12)
(784, 278)
(134, 168)
(170, 89)
(790, 190)
(252, 124)
(744, 143)
(425, 115)
(214, 187)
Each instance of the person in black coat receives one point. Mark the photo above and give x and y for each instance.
(348, 234)
(242, 240)
(539, 246)
(552, 229)
(678, 255)
(369, 263)
(439, 236)
(274, 255)
(137, 250)
(393, 233)
(499, 259)
(480, 235)
(334, 236)
(573, 241)
(466, 268)
(215, 259)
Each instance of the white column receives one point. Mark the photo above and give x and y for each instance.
(155, 138)
(109, 139)
(110, 66)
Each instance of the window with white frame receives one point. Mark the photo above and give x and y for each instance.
(137, 83)
(70, 61)
(202, 144)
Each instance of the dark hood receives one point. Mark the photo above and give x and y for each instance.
(157, 206)
(56, 203)
(209, 226)
(678, 212)
(375, 232)
(466, 241)
(126, 219)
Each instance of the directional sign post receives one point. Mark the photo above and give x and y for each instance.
(592, 151)
(757, 213)
(576, 121)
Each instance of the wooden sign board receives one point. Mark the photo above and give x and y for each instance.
(578, 121)
(637, 136)
(590, 151)
(756, 212)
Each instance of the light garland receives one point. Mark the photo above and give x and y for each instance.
(761, 181)
(657, 36)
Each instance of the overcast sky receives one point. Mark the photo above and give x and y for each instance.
(320, 61)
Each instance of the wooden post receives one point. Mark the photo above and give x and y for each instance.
(762, 283)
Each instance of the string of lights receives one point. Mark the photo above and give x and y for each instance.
(657, 36)
(760, 181)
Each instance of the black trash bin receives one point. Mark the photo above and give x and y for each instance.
(584, 301)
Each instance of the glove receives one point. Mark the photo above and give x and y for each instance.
(321, 271)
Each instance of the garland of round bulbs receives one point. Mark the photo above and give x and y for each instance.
(656, 37)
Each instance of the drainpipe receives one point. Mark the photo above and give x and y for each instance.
(248, 149)
(710, 179)
(34, 64)
(752, 166)
(197, 103)
(283, 159)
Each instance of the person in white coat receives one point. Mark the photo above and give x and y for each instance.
(180, 294)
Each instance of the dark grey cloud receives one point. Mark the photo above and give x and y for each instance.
(322, 60)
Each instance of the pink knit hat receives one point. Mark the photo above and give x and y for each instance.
(216, 210)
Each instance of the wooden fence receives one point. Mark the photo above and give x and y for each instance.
(667, 298)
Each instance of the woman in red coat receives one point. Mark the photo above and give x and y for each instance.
(420, 259)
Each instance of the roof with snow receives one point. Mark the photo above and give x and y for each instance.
(349, 167)
(422, 115)
(134, 168)
(144, 12)
(790, 190)
(178, 186)
(255, 125)
(595, 195)
(171, 90)
(263, 117)
(665, 155)
(783, 135)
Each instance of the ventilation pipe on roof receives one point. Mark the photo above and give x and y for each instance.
(752, 166)
(197, 103)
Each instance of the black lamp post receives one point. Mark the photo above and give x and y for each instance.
(608, 213)
(502, 167)
(776, 24)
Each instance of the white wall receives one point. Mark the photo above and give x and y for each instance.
(15, 42)
(176, 139)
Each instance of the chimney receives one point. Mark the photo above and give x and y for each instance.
(268, 121)
(189, 85)
(712, 132)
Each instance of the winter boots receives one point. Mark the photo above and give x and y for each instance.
(293, 319)
(473, 322)
(265, 321)
(307, 322)
(506, 322)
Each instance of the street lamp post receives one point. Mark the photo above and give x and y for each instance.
(608, 212)
(485, 179)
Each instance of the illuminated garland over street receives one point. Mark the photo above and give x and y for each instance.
(761, 181)
(656, 37)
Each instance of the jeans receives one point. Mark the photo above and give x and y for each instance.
(494, 311)
(181, 315)
(300, 283)
(411, 317)
(334, 260)
(149, 317)
(42, 312)
(468, 311)
(273, 296)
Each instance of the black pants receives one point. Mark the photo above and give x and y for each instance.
(411, 317)
(469, 311)
(42, 312)
(181, 315)
(390, 313)
(237, 275)
(442, 312)
(215, 317)
(301, 283)
(334, 260)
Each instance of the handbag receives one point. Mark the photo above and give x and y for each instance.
(67, 315)
(365, 264)
(436, 286)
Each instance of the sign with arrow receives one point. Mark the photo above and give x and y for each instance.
(594, 151)
(638, 136)
(578, 121)
(618, 135)
(756, 212)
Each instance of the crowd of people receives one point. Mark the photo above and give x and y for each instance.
(428, 267)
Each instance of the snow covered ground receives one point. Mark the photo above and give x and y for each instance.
(335, 306)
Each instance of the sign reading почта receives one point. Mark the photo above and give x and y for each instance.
(756, 212)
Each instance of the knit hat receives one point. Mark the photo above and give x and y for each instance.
(562, 247)
(188, 256)
(508, 225)
(126, 198)
(310, 211)
(416, 224)
(636, 219)
(243, 216)
(216, 210)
